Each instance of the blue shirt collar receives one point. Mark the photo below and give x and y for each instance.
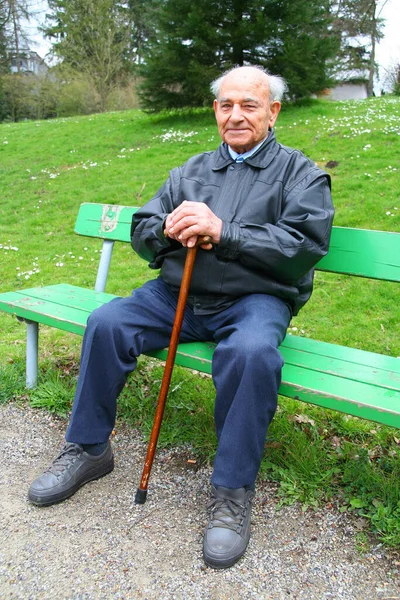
(245, 155)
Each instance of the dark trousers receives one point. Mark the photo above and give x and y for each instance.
(246, 369)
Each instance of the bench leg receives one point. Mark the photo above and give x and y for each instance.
(32, 339)
(104, 265)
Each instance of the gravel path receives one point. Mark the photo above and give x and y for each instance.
(100, 545)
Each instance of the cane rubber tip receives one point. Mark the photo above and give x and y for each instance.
(140, 497)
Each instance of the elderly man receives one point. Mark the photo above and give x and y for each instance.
(268, 212)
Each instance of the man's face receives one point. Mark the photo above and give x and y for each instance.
(243, 111)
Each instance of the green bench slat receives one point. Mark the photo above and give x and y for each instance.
(63, 306)
(386, 375)
(348, 250)
(350, 397)
(62, 294)
(351, 355)
(45, 312)
(106, 221)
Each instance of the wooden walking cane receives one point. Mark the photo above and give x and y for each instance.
(141, 492)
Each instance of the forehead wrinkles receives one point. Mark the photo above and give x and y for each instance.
(246, 88)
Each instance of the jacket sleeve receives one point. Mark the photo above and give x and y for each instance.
(289, 248)
(147, 229)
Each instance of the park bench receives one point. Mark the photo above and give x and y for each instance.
(349, 380)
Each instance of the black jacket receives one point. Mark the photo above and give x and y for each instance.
(277, 217)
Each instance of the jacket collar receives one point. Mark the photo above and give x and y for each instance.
(260, 160)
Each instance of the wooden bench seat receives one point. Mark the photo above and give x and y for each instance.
(352, 381)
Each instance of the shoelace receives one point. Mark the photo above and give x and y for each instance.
(64, 458)
(227, 514)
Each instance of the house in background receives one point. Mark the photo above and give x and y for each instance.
(28, 62)
(350, 85)
(350, 90)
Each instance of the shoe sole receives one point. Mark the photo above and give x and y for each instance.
(222, 564)
(61, 496)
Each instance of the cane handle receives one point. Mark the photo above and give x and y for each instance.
(201, 239)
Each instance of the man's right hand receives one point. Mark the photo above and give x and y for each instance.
(190, 220)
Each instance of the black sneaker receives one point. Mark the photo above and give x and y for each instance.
(228, 530)
(71, 469)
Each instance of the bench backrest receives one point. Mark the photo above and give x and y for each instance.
(362, 252)
(106, 221)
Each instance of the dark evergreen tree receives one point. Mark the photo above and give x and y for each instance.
(195, 42)
(304, 47)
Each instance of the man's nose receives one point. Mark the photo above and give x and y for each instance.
(236, 114)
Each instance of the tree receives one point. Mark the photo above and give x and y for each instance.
(392, 78)
(196, 41)
(12, 35)
(141, 14)
(358, 25)
(304, 47)
(17, 10)
(4, 18)
(373, 9)
(90, 36)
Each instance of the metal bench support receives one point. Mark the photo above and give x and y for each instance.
(32, 339)
(104, 265)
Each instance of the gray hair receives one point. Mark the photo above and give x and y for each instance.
(277, 85)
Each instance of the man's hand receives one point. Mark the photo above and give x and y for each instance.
(190, 220)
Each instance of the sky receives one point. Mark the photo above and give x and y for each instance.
(387, 51)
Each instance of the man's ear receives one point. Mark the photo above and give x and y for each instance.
(215, 105)
(274, 109)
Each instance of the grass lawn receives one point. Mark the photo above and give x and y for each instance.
(48, 168)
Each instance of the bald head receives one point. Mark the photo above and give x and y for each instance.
(276, 85)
